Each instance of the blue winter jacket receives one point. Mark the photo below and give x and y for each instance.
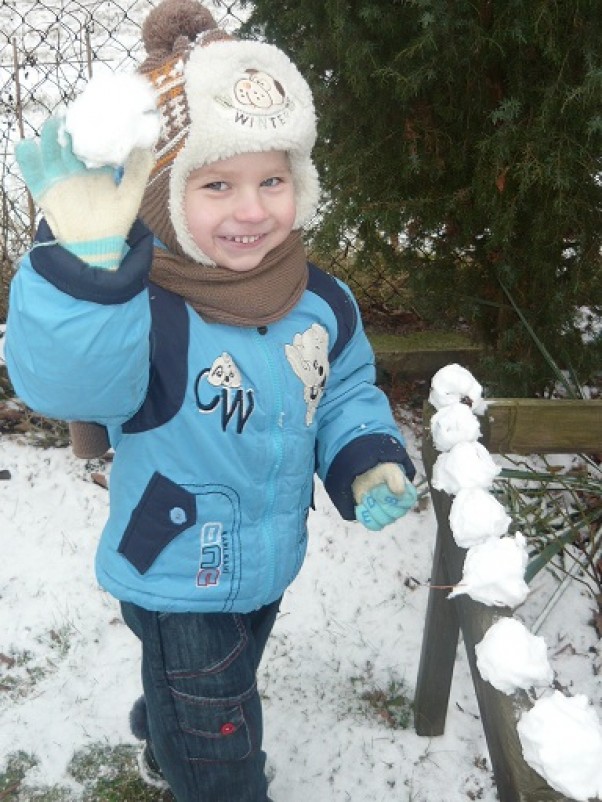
(217, 429)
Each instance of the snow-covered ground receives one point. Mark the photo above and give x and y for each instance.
(351, 625)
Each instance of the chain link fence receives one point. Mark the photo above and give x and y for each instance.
(48, 51)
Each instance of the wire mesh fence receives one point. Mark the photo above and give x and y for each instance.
(49, 49)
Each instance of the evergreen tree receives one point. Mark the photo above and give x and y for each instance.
(462, 142)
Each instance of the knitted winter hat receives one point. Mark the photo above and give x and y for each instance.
(219, 97)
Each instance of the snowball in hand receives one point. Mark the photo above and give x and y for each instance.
(494, 572)
(476, 516)
(510, 657)
(115, 113)
(451, 384)
(561, 739)
(454, 423)
(465, 465)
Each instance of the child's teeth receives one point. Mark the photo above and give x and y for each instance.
(246, 239)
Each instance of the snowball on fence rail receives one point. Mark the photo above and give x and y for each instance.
(494, 572)
(467, 464)
(454, 423)
(561, 738)
(510, 657)
(452, 384)
(476, 516)
(115, 113)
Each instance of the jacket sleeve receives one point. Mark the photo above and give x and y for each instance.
(77, 338)
(356, 426)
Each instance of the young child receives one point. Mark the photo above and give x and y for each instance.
(226, 369)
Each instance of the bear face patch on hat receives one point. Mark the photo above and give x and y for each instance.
(259, 91)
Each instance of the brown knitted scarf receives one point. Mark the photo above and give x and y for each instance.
(253, 298)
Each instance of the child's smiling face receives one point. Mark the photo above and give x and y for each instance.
(239, 209)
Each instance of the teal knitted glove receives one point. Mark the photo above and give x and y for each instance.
(89, 212)
(382, 495)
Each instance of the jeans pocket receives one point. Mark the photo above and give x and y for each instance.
(218, 730)
(164, 511)
(200, 648)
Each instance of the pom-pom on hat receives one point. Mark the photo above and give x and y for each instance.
(219, 97)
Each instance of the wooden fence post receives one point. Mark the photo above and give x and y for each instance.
(442, 629)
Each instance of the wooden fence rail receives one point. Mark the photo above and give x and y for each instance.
(510, 426)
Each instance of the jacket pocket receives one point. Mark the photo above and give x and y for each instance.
(164, 511)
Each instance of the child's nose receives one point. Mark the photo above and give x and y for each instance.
(250, 206)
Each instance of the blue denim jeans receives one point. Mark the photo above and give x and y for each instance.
(204, 712)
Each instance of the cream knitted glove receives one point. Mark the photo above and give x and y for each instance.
(382, 495)
(89, 211)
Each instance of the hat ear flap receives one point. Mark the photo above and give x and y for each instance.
(307, 189)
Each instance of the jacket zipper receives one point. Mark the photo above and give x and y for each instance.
(278, 451)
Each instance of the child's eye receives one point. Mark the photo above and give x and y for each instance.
(274, 181)
(216, 186)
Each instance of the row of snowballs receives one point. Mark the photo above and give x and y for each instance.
(561, 736)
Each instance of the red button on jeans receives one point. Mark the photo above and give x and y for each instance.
(228, 728)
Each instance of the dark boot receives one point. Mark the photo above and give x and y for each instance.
(147, 763)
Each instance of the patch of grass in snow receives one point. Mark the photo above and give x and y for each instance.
(12, 786)
(110, 774)
(16, 767)
(390, 703)
(20, 671)
(54, 794)
(105, 774)
(19, 674)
